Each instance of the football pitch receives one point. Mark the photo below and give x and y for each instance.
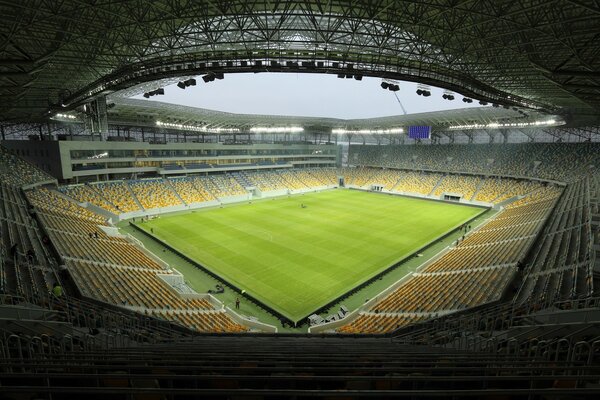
(296, 254)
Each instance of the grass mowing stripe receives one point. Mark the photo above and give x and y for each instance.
(298, 259)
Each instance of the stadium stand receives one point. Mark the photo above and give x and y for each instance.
(358, 176)
(265, 182)
(416, 182)
(377, 323)
(105, 268)
(110, 269)
(474, 272)
(50, 200)
(86, 193)
(26, 265)
(222, 185)
(120, 195)
(541, 160)
(17, 172)
(464, 185)
(232, 367)
(561, 268)
(322, 176)
(509, 310)
(496, 190)
(293, 180)
(154, 193)
(191, 190)
(385, 177)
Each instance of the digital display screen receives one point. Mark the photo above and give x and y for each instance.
(419, 132)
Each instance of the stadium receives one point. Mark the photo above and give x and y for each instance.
(152, 250)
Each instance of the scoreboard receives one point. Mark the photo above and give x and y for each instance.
(419, 132)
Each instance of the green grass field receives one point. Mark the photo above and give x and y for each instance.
(297, 259)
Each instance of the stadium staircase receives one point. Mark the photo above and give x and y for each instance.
(439, 182)
(201, 188)
(501, 195)
(134, 197)
(299, 177)
(477, 189)
(242, 179)
(400, 179)
(286, 180)
(99, 194)
(169, 185)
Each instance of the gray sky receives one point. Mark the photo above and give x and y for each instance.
(314, 95)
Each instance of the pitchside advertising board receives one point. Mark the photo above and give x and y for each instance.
(419, 132)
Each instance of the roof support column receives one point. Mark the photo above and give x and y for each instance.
(96, 117)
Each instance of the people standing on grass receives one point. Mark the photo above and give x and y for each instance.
(237, 303)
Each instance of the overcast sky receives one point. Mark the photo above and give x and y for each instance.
(302, 94)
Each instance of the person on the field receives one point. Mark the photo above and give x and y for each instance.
(237, 303)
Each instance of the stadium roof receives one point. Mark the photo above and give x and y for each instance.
(536, 53)
(148, 113)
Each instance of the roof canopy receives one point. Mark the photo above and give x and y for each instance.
(536, 53)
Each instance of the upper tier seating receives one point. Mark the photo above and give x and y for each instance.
(543, 160)
(17, 172)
